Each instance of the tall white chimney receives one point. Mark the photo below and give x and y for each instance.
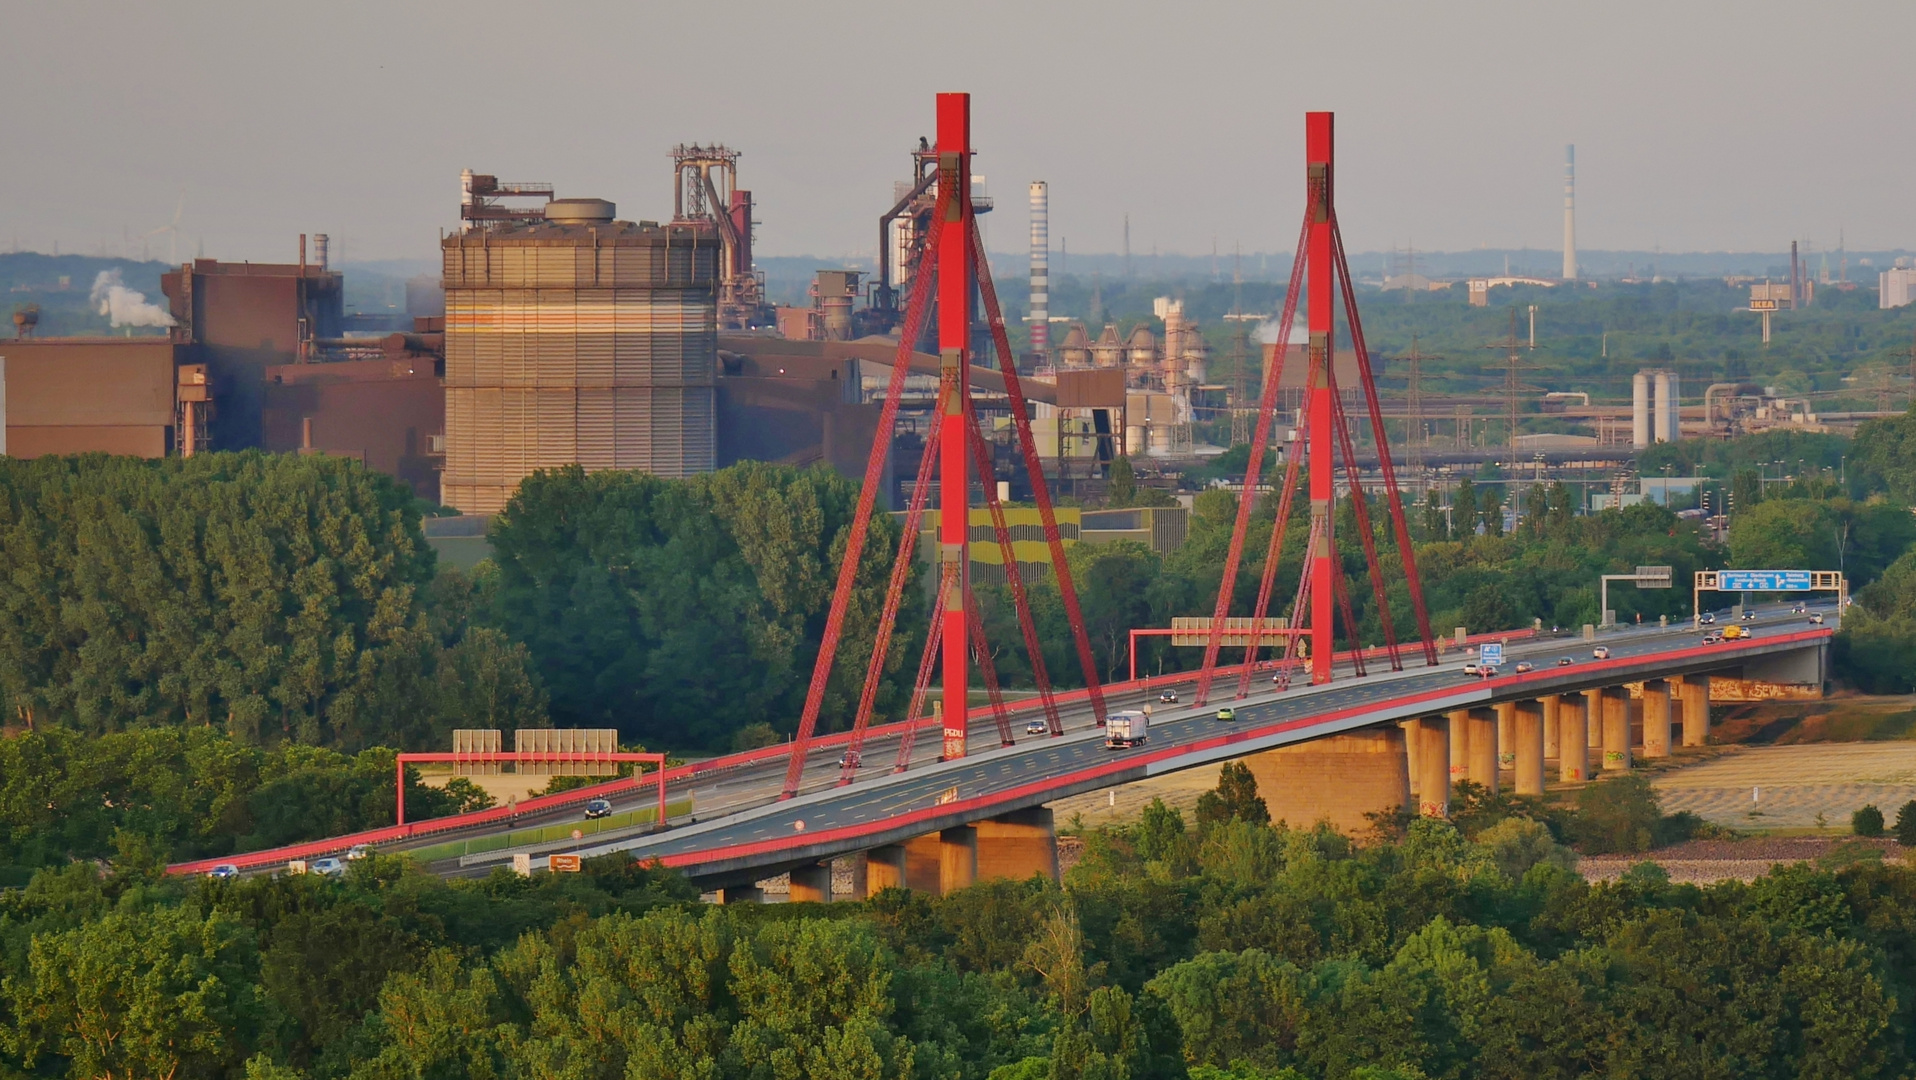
(1040, 317)
(1570, 212)
(1640, 410)
(1665, 408)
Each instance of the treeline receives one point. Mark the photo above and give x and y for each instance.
(273, 597)
(1224, 949)
(156, 795)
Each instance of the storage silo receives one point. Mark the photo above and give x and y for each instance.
(1665, 406)
(1640, 410)
(578, 339)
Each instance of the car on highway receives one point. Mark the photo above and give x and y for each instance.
(328, 867)
(1524, 666)
(1472, 668)
(1817, 618)
(1036, 727)
(1227, 713)
(223, 871)
(1487, 671)
(1749, 616)
(1168, 697)
(1713, 638)
(850, 759)
(358, 852)
(1601, 652)
(1707, 619)
(1564, 661)
(599, 808)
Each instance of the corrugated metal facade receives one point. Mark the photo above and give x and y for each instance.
(577, 345)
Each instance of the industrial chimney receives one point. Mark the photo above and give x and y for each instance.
(1640, 411)
(1570, 212)
(1040, 272)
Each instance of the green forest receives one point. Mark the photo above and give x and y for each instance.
(1225, 948)
(235, 644)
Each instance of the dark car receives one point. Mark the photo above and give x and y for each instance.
(1564, 661)
(598, 808)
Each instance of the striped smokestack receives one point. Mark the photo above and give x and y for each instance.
(1040, 317)
(1570, 212)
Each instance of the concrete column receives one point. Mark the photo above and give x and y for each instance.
(1656, 719)
(1551, 743)
(1506, 736)
(1593, 713)
(1411, 741)
(1459, 746)
(1573, 721)
(812, 884)
(885, 869)
(741, 894)
(861, 878)
(1615, 703)
(1339, 779)
(1527, 728)
(1483, 748)
(1018, 845)
(957, 859)
(1433, 764)
(924, 863)
(1695, 690)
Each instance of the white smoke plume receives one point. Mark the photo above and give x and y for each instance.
(1268, 332)
(124, 306)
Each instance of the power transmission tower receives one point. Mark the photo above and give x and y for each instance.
(1513, 369)
(1414, 404)
(1242, 410)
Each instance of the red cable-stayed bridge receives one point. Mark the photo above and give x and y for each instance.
(756, 826)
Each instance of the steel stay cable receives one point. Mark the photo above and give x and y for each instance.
(894, 593)
(926, 665)
(1014, 578)
(1275, 548)
(1041, 493)
(1392, 495)
(861, 521)
(1260, 437)
(1360, 506)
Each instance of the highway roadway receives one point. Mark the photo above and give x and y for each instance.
(744, 832)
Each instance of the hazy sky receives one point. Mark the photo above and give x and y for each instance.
(1698, 125)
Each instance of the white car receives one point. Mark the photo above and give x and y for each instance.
(1472, 668)
(358, 852)
(223, 871)
(328, 867)
(1601, 652)
(1817, 618)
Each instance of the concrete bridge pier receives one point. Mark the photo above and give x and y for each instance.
(924, 863)
(1018, 845)
(1339, 778)
(1483, 748)
(1694, 692)
(1656, 719)
(885, 869)
(957, 858)
(812, 884)
(1506, 736)
(1433, 765)
(1459, 746)
(1411, 741)
(1593, 712)
(1615, 704)
(1573, 725)
(1527, 727)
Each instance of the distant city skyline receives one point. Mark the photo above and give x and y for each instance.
(1699, 127)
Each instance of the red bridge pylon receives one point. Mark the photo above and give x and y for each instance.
(1321, 274)
(952, 268)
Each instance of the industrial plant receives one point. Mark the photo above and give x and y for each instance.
(558, 333)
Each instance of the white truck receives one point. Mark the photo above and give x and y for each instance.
(1125, 729)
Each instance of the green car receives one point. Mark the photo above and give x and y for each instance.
(1227, 713)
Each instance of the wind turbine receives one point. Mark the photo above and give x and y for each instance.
(172, 230)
